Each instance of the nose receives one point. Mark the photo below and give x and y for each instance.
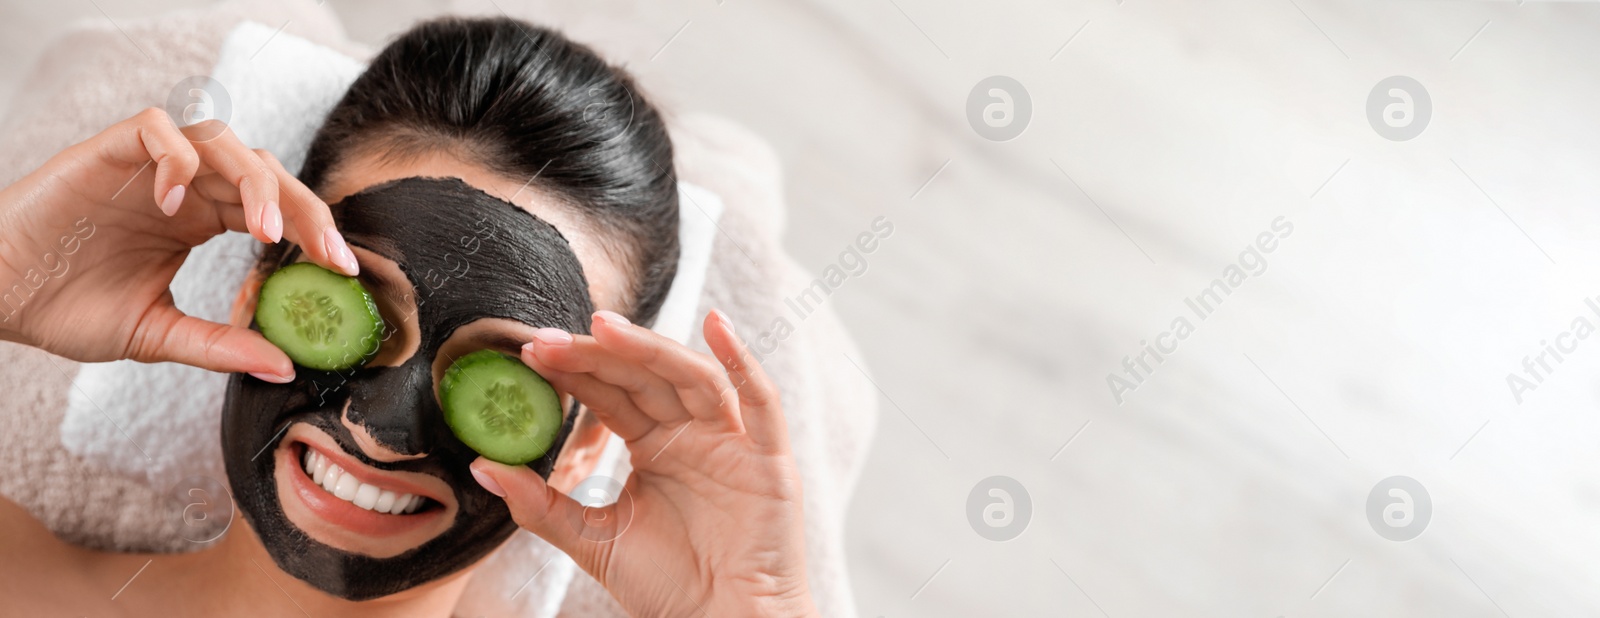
(392, 411)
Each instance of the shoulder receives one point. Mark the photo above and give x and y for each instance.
(43, 574)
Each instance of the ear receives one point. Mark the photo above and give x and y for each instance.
(581, 453)
(244, 305)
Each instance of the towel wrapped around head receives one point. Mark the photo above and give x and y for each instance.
(130, 433)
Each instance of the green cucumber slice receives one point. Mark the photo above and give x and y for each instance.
(500, 407)
(321, 319)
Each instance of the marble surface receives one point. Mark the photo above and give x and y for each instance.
(1374, 340)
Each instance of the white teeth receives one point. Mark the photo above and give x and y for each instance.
(366, 496)
(385, 501)
(317, 468)
(345, 487)
(332, 479)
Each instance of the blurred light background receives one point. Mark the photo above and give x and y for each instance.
(1164, 137)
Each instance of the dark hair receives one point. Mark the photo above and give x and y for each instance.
(525, 102)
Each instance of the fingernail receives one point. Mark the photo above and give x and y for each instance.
(722, 318)
(611, 317)
(272, 221)
(487, 482)
(267, 377)
(333, 243)
(174, 199)
(552, 336)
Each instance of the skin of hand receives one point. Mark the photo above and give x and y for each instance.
(709, 523)
(95, 236)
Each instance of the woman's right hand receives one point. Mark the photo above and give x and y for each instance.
(89, 243)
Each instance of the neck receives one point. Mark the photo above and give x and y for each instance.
(239, 578)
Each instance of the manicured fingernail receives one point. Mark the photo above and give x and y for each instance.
(272, 221)
(611, 317)
(174, 199)
(333, 243)
(267, 377)
(487, 482)
(552, 336)
(725, 322)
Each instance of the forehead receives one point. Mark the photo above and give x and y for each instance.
(608, 281)
(469, 255)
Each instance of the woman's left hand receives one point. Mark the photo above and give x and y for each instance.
(710, 520)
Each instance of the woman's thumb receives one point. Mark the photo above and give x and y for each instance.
(166, 334)
(549, 514)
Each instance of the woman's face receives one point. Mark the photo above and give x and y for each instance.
(454, 270)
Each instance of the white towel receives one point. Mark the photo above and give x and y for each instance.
(166, 417)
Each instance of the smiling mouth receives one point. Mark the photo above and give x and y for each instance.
(372, 496)
(340, 501)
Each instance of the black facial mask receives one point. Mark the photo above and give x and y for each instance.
(468, 256)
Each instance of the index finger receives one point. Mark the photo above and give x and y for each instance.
(265, 186)
(700, 383)
(222, 152)
(310, 221)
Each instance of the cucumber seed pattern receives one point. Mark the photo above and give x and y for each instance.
(315, 317)
(508, 409)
